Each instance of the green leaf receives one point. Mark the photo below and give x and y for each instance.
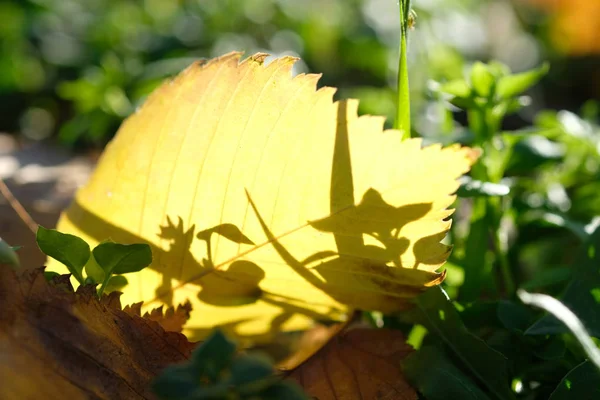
(402, 122)
(581, 383)
(566, 316)
(205, 367)
(246, 369)
(552, 349)
(473, 188)
(435, 311)
(513, 85)
(70, 250)
(437, 378)
(457, 88)
(548, 277)
(476, 262)
(8, 255)
(464, 103)
(498, 69)
(482, 79)
(559, 220)
(115, 258)
(214, 371)
(94, 271)
(116, 283)
(49, 275)
(582, 295)
(514, 316)
(284, 390)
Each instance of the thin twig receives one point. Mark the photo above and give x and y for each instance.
(19, 209)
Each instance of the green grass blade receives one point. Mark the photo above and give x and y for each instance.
(402, 122)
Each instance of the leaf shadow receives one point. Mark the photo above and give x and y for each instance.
(367, 234)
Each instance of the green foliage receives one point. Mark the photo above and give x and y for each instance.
(70, 250)
(582, 293)
(8, 255)
(527, 220)
(437, 314)
(438, 378)
(402, 121)
(216, 371)
(101, 264)
(582, 383)
(116, 258)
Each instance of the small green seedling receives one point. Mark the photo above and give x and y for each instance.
(216, 371)
(105, 264)
(8, 254)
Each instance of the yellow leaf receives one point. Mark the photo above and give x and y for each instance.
(267, 204)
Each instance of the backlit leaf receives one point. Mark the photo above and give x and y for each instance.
(304, 209)
(513, 85)
(115, 258)
(70, 250)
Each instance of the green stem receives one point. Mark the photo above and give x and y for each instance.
(402, 122)
(104, 283)
(79, 277)
(483, 125)
(509, 283)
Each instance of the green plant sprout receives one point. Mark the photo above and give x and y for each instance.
(216, 371)
(8, 254)
(402, 122)
(104, 264)
(488, 95)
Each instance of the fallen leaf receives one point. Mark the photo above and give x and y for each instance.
(173, 319)
(267, 204)
(358, 364)
(58, 344)
(309, 343)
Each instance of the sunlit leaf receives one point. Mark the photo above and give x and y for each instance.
(457, 88)
(482, 79)
(304, 209)
(513, 85)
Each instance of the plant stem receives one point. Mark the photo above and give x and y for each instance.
(402, 122)
(485, 127)
(104, 283)
(509, 282)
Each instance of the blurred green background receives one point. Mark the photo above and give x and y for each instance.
(73, 69)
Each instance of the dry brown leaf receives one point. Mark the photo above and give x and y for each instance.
(358, 364)
(173, 319)
(57, 344)
(309, 343)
